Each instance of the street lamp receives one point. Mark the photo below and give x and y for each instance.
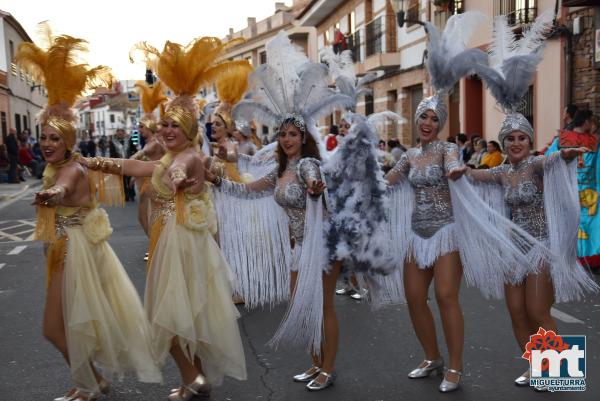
(398, 7)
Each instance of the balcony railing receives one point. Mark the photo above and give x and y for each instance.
(354, 43)
(375, 37)
(518, 12)
(440, 17)
(13, 69)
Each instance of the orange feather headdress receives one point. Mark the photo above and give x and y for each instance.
(231, 87)
(65, 77)
(151, 97)
(185, 69)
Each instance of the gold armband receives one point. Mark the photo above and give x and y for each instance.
(106, 165)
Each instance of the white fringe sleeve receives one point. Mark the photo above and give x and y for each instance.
(303, 322)
(493, 250)
(570, 279)
(254, 238)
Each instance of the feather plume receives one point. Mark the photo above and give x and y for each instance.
(151, 96)
(512, 63)
(59, 68)
(340, 65)
(534, 37)
(504, 43)
(232, 85)
(448, 58)
(185, 69)
(284, 58)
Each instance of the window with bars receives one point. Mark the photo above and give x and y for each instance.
(518, 12)
(412, 13)
(375, 36)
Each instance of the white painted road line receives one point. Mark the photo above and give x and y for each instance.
(2, 265)
(17, 250)
(564, 317)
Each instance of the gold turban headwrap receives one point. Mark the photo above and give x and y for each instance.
(57, 68)
(231, 87)
(151, 96)
(185, 69)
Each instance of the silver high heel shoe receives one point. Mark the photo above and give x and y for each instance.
(200, 387)
(315, 385)
(307, 376)
(430, 366)
(523, 380)
(71, 395)
(447, 386)
(359, 294)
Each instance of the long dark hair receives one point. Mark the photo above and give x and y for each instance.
(309, 149)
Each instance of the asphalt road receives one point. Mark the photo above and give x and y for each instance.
(377, 348)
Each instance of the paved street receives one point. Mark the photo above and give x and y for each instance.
(377, 349)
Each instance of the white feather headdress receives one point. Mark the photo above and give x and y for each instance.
(449, 59)
(512, 65)
(290, 87)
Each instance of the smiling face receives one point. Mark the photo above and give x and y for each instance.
(517, 145)
(290, 140)
(53, 146)
(173, 136)
(428, 125)
(219, 129)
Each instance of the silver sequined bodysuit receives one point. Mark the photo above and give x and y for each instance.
(523, 185)
(426, 169)
(289, 191)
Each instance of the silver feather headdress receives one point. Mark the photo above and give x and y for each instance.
(290, 89)
(449, 59)
(341, 68)
(512, 65)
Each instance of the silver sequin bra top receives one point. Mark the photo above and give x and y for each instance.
(289, 191)
(523, 185)
(426, 169)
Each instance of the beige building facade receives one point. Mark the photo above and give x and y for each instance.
(21, 99)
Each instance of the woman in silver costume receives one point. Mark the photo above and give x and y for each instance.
(301, 97)
(538, 193)
(443, 212)
(523, 182)
(297, 174)
(427, 169)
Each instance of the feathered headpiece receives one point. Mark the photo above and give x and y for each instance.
(185, 69)
(512, 65)
(289, 89)
(65, 77)
(231, 87)
(449, 59)
(341, 68)
(151, 96)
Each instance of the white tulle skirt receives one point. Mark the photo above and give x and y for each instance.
(105, 323)
(188, 300)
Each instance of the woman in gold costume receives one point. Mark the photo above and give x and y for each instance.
(93, 314)
(151, 97)
(231, 86)
(188, 290)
